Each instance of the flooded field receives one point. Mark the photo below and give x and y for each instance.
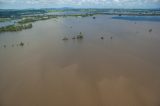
(122, 69)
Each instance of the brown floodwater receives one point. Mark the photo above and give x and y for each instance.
(47, 71)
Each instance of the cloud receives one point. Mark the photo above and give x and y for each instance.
(83, 3)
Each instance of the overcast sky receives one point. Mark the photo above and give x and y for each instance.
(19, 4)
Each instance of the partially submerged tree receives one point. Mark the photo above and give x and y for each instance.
(21, 44)
(65, 38)
(80, 36)
(73, 37)
(4, 46)
(102, 37)
(150, 30)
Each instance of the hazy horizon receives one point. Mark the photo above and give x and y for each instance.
(71, 8)
(36, 4)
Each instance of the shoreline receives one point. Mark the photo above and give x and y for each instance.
(25, 20)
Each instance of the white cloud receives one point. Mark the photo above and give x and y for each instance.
(83, 3)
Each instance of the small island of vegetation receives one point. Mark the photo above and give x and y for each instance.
(4, 19)
(16, 27)
(24, 18)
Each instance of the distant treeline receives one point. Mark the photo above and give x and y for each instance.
(11, 13)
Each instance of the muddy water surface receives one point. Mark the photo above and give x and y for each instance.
(47, 71)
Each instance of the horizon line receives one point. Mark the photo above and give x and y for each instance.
(73, 8)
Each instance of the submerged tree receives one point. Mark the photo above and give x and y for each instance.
(150, 30)
(73, 37)
(80, 36)
(21, 44)
(4, 46)
(65, 38)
